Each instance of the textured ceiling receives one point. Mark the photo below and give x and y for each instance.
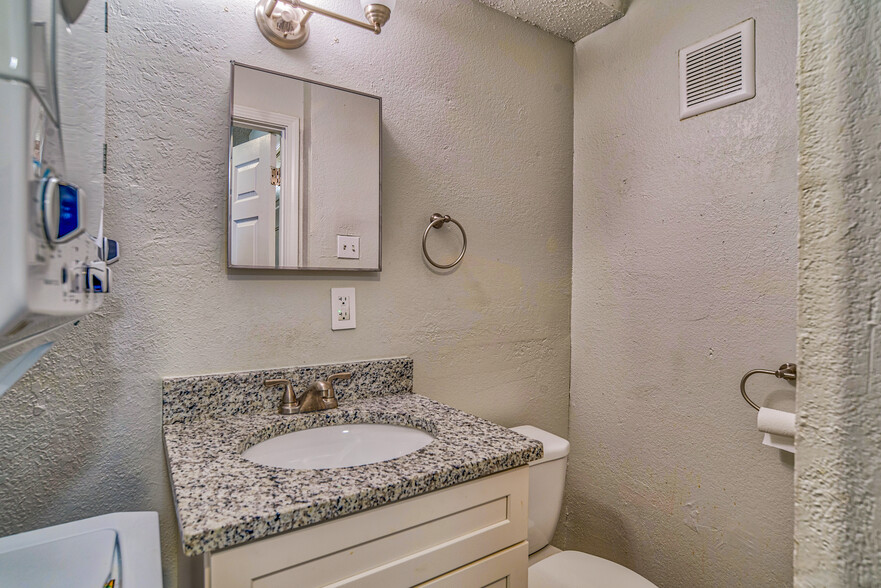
(570, 19)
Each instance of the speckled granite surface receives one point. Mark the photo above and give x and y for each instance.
(224, 500)
(197, 397)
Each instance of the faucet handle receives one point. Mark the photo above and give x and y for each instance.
(288, 404)
(339, 376)
(330, 397)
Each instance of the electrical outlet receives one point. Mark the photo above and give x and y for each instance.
(348, 247)
(342, 308)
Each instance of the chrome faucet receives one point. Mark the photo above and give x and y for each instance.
(318, 395)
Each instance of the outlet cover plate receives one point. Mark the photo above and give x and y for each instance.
(348, 247)
(342, 308)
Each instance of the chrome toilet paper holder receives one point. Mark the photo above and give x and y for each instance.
(787, 371)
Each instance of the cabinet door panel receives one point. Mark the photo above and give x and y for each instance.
(382, 562)
(400, 544)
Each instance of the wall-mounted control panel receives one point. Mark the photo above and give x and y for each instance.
(55, 257)
(342, 308)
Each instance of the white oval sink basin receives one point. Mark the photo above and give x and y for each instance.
(338, 446)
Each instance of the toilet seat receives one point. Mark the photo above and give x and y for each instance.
(574, 569)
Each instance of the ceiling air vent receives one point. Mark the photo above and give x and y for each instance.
(718, 71)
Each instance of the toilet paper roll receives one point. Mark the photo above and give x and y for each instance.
(776, 422)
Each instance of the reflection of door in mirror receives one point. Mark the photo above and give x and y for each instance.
(283, 239)
(252, 210)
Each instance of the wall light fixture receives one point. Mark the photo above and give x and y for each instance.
(284, 22)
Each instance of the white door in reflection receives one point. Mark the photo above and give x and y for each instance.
(252, 210)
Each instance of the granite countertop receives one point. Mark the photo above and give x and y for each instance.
(224, 500)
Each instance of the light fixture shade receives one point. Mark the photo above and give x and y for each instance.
(390, 4)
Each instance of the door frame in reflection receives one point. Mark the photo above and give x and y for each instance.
(290, 207)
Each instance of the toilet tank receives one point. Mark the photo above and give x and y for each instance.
(547, 477)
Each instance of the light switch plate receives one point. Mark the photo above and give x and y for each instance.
(348, 247)
(342, 308)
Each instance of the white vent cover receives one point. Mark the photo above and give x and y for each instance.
(718, 71)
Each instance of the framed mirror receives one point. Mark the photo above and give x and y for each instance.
(304, 174)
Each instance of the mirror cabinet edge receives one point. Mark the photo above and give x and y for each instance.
(228, 222)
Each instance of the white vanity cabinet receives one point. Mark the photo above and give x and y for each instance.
(469, 535)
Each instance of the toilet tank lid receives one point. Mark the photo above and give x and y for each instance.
(554, 447)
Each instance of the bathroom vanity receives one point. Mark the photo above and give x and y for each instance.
(453, 513)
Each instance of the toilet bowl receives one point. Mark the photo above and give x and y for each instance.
(567, 569)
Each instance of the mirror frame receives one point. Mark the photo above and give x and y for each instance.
(230, 119)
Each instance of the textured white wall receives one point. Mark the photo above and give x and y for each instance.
(838, 467)
(684, 278)
(477, 124)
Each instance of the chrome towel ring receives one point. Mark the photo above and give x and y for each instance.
(437, 221)
(787, 371)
